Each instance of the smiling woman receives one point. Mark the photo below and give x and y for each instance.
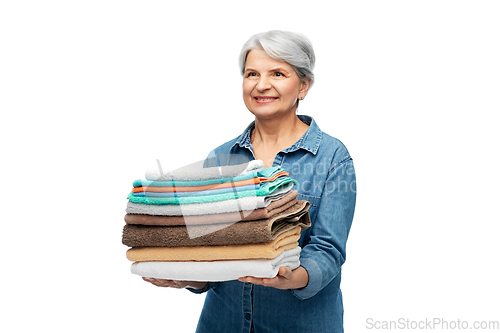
(271, 87)
(277, 73)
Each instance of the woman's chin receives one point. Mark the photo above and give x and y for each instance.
(270, 113)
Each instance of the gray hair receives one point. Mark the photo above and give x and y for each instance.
(291, 47)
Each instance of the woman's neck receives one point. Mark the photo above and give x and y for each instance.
(270, 136)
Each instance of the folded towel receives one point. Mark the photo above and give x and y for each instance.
(154, 186)
(198, 171)
(226, 270)
(251, 181)
(284, 241)
(274, 208)
(253, 232)
(157, 194)
(263, 175)
(234, 205)
(280, 184)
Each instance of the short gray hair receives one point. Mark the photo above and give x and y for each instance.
(291, 47)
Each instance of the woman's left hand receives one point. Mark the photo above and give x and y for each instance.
(286, 279)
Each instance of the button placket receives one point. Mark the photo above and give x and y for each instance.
(247, 306)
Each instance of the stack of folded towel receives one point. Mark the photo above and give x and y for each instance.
(214, 224)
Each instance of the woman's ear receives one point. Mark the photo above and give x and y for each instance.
(304, 86)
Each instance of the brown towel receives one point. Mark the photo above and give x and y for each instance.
(258, 214)
(252, 232)
(285, 241)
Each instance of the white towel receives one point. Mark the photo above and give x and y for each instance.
(216, 207)
(196, 171)
(226, 270)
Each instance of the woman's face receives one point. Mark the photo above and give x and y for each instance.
(270, 87)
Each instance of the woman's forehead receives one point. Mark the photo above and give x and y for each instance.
(259, 59)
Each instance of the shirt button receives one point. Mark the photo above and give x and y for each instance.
(247, 316)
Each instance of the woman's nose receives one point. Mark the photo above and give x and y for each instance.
(263, 84)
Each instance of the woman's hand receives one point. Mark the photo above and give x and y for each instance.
(175, 284)
(286, 279)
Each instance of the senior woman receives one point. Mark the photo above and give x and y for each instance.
(277, 74)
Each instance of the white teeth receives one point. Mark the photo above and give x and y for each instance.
(265, 99)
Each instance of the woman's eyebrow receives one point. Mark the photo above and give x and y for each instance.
(275, 69)
(279, 69)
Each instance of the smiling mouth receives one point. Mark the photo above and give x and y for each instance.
(265, 99)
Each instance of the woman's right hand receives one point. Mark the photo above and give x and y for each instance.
(175, 283)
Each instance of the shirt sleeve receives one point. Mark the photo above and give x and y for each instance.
(210, 285)
(325, 252)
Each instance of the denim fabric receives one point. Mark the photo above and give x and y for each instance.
(325, 174)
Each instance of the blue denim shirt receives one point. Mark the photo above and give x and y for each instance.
(325, 174)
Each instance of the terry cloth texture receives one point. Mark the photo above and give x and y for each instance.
(197, 171)
(252, 187)
(154, 186)
(261, 174)
(233, 205)
(285, 241)
(252, 232)
(162, 189)
(281, 184)
(274, 208)
(217, 270)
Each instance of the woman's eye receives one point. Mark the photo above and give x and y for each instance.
(251, 74)
(278, 74)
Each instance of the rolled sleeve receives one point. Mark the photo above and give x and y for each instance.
(315, 280)
(210, 285)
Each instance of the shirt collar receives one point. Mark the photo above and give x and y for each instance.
(309, 141)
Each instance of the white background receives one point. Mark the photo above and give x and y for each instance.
(92, 92)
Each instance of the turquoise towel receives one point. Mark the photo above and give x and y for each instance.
(267, 172)
(266, 189)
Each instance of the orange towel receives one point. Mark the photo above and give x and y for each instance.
(251, 181)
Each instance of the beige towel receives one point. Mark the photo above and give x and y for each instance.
(285, 241)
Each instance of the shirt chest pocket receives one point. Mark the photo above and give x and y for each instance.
(315, 201)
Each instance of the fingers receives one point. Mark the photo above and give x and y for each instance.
(254, 280)
(250, 279)
(166, 283)
(245, 279)
(266, 282)
(280, 281)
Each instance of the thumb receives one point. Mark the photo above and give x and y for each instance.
(285, 272)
